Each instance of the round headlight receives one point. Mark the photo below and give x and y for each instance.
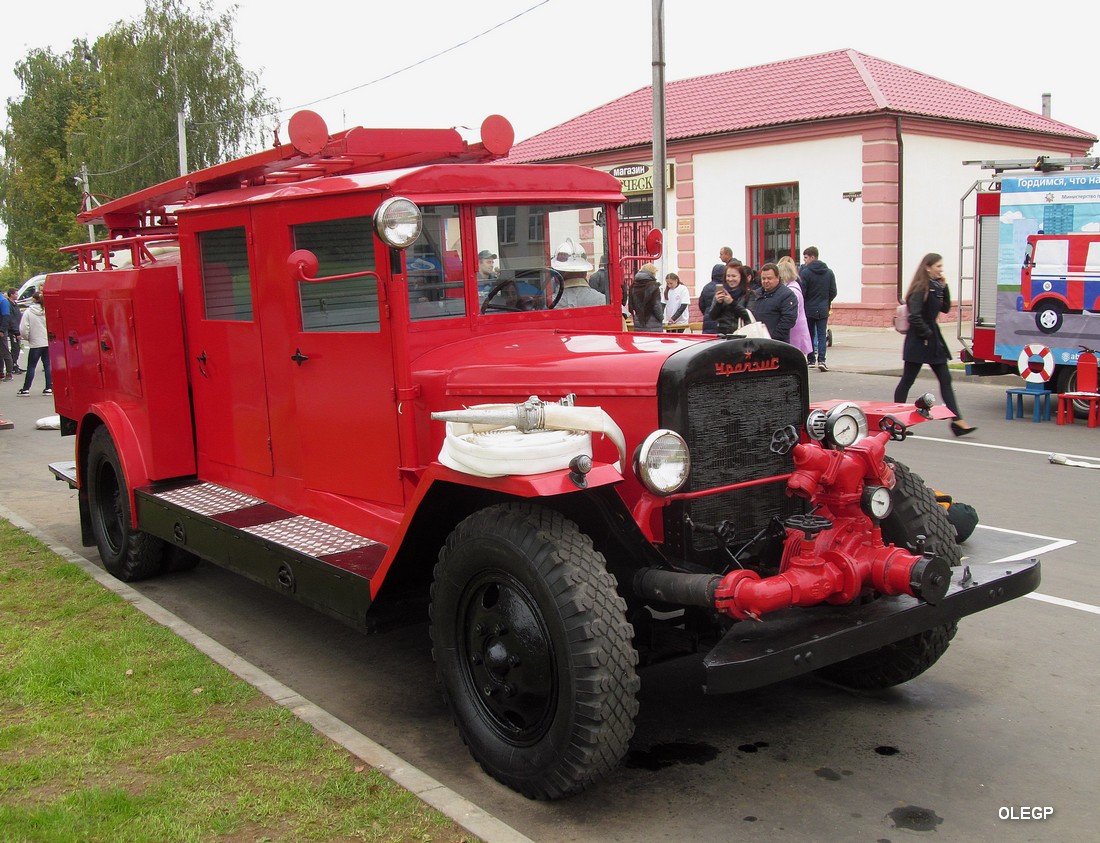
(845, 425)
(398, 222)
(662, 462)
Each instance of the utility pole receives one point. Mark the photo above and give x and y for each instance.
(181, 129)
(660, 189)
(86, 199)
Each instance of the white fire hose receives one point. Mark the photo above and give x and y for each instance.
(495, 440)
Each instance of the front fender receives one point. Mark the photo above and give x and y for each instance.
(126, 441)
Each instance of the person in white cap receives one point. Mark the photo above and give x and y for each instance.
(571, 263)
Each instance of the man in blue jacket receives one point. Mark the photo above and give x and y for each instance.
(776, 306)
(7, 320)
(818, 291)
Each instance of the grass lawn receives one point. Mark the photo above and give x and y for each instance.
(114, 729)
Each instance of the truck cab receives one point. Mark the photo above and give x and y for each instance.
(346, 368)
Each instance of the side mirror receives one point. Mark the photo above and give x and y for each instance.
(655, 242)
(303, 265)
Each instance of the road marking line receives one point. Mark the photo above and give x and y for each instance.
(1069, 604)
(971, 444)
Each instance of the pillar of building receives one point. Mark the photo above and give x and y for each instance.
(881, 236)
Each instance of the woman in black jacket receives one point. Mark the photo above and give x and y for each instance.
(731, 301)
(926, 298)
(645, 302)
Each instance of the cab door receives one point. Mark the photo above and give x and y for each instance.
(335, 357)
(225, 351)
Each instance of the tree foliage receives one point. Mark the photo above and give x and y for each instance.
(38, 195)
(113, 107)
(173, 59)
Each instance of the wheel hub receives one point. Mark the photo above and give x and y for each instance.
(509, 658)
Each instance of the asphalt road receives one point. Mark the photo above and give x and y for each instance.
(1001, 728)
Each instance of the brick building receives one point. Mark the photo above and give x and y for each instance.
(855, 155)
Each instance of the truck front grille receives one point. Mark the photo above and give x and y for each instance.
(730, 429)
(728, 398)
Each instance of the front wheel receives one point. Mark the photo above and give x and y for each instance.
(127, 554)
(915, 513)
(533, 650)
(1048, 318)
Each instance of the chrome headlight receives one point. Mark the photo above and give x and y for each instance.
(662, 462)
(845, 425)
(398, 222)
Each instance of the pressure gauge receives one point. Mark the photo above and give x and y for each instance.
(877, 501)
(845, 425)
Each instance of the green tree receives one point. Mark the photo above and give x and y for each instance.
(38, 195)
(173, 59)
(113, 107)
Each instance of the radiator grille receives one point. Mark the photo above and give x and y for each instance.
(730, 427)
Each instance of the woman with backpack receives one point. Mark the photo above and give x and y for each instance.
(926, 298)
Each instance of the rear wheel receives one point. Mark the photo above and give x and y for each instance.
(127, 553)
(533, 650)
(915, 513)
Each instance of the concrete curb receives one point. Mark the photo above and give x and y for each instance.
(469, 816)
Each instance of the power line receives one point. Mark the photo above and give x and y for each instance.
(394, 73)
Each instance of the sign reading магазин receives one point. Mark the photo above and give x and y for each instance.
(638, 178)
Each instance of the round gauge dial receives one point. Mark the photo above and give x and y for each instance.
(845, 425)
(877, 501)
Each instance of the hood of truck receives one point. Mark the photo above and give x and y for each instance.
(551, 364)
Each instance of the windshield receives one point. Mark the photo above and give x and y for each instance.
(534, 257)
(520, 258)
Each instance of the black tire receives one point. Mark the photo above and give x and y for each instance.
(915, 513)
(1067, 382)
(533, 650)
(1048, 317)
(894, 664)
(127, 554)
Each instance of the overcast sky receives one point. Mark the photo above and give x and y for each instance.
(542, 62)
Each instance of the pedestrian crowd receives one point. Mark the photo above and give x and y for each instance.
(17, 326)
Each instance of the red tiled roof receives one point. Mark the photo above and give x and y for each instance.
(843, 83)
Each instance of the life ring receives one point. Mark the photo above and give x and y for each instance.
(1036, 364)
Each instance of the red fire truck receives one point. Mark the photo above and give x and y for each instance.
(1030, 252)
(345, 367)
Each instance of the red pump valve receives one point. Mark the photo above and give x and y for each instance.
(835, 555)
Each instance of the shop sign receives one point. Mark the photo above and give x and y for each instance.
(638, 178)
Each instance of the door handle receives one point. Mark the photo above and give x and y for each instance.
(201, 360)
(298, 357)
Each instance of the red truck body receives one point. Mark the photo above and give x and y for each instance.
(289, 365)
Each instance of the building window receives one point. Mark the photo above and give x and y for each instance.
(773, 223)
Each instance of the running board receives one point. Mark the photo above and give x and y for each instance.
(316, 563)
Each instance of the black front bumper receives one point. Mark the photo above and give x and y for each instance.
(797, 641)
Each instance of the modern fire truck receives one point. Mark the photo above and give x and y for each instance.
(1030, 249)
(343, 367)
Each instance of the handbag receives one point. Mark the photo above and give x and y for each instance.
(901, 318)
(753, 328)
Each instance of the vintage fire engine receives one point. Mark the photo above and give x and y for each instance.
(344, 367)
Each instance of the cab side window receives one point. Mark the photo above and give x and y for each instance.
(434, 266)
(226, 280)
(341, 246)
